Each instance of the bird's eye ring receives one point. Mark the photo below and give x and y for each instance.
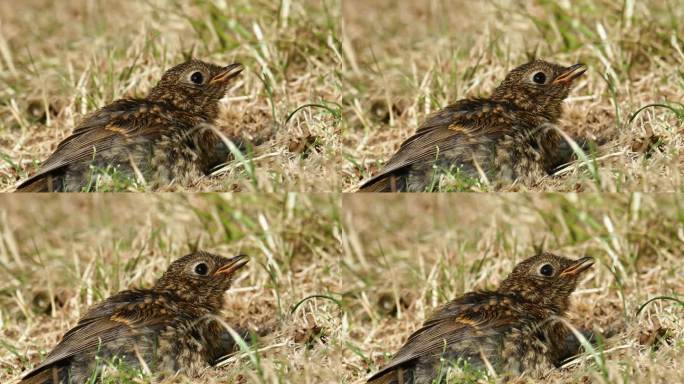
(546, 270)
(539, 78)
(201, 269)
(197, 78)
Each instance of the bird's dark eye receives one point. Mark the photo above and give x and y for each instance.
(539, 78)
(197, 78)
(201, 269)
(546, 270)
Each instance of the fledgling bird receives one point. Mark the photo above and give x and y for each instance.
(163, 138)
(506, 138)
(514, 330)
(171, 328)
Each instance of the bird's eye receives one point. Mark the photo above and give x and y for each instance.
(546, 270)
(201, 269)
(539, 78)
(197, 78)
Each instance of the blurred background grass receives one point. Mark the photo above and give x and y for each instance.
(58, 255)
(406, 59)
(405, 255)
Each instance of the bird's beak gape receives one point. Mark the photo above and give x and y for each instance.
(227, 73)
(570, 74)
(232, 265)
(579, 266)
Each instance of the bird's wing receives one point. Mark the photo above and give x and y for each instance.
(114, 125)
(441, 132)
(51, 375)
(451, 324)
(120, 316)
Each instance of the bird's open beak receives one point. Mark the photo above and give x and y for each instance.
(570, 74)
(232, 265)
(578, 267)
(227, 73)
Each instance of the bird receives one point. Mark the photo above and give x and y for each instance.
(513, 330)
(171, 328)
(163, 138)
(502, 139)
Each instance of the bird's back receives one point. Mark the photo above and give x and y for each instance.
(105, 136)
(53, 375)
(465, 328)
(129, 319)
(453, 135)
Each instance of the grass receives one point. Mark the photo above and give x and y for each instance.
(62, 254)
(406, 255)
(59, 62)
(338, 282)
(403, 62)
(333, 87)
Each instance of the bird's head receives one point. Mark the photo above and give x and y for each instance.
(195, 86)
(546, 279)
(539, 87)
(201, 277)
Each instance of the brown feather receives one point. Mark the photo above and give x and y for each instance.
(116, 125)
(54, 375)
(449, 324)
(117, 317)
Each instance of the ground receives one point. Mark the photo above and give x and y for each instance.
(62, 60)
(403, 60)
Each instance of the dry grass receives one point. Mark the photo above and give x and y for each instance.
(405, 255)
(59, 255)
(403, 61)
(61, 60)
(377, 265)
